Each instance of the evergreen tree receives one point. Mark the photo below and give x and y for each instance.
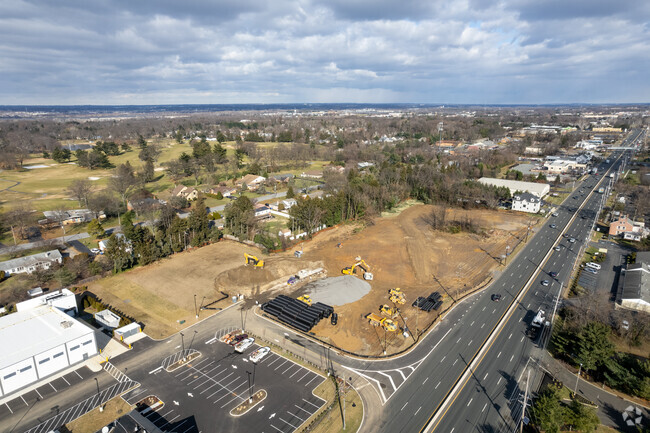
(290, 193)
(547, 412)
(118, 251)
(581, 417)
(95, 228)
(198, 223)
(594, 345)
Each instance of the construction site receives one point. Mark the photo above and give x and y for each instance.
(375, 277)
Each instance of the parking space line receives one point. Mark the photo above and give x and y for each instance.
(53, 387)
(290, 367)
(171, 420)
(307, 401)
(294, 373)
(277, 357)
(293, 414)
(287, 422)
(9, 408)
(24, 400)
(302, 377)
(39, 394)
(233, 391)
(77, 373)
(286, 360)
(301, 408)
(276, 428)
(312, 379)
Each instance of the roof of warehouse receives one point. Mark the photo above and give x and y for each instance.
(28, 333)
(536, 188)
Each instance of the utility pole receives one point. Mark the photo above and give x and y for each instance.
(183, 345)
(196, 311)
(344, 403)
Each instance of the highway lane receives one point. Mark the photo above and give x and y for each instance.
(492, 397)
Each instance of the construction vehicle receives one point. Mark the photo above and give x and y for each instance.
(306, 299)
(361, 264)
(385, 309)
(252, 260)
(396, 296)
(384, 322)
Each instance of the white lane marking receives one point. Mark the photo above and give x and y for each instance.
(437, 385)
(522, 339)
(483, 410)
(483, 308)
(425, 381)
(471, 323)
(510, 336)
(486, 375)
(494, 310)
(470, 401)
(416, 412)
(404, 406)
(455, 361)
(470, 342)
(443, 358)
(458, 341)
(511, 358)
(499, 381)
(499, 354)
(482, 326)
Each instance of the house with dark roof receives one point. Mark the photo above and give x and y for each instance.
(634, 284)
(526, 202)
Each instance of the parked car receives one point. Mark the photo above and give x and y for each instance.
(244, 344)
(593, 265)
(625, 325)
(591, 270)
(496, 297)
(259, 354)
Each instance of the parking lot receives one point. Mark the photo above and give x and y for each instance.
(20, 403)
(202, 393)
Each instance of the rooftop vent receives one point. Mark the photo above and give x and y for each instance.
(66, 324)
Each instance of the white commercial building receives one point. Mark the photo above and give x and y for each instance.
(539, 190)
(526, 202)
(62, 299)
(40, 342)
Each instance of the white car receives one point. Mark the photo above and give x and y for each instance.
(555, 214)
(259, 354)
(95, 251)
(572, 240)
(244, 344)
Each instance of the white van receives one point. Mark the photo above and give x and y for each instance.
(593, 265)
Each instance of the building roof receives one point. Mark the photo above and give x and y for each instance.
(537, 189)
(636, 284)
(36, 330)
(524, 196)
(251, 178)
(32, 260)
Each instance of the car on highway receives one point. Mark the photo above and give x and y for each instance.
(244, 344)
(555, 214)
(572, 240)
(259, 354)
(557, 248)
(553, 274)
(496, 297)
(552, 226)
(545, 283)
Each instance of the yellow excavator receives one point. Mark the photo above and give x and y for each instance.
(385, 323)
(385, 309)
(396, 296)
(361, 264)
(252, 260)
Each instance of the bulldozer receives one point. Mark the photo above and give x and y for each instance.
(396, 296)
(252, 260)
(305, 298)
(390, 312)
(361, 264)
(385, 323)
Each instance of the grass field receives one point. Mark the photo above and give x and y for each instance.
(332, 421)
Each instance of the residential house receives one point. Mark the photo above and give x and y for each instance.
(75, 216)
(631, 230)
(29, 264)
(634, 284)
(284, 233)
(145, 204)
(289, 203)
(252, 181)
(334, 169)
(186, 192)
(262, 212)
(526, 202)
(281, 178)
(225, 191)
(104, 243)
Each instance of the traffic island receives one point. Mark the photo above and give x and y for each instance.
(249, 404)
(181, 362)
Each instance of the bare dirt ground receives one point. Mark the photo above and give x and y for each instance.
(401, 251)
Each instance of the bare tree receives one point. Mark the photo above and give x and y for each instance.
(81, 190)
(123, 181)
(18, 219)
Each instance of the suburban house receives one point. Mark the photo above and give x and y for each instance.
(262, 212)
(252, 181)
(313, 174)
(225, 191)
(186, 192)
(289, 203)
(29, 264)
(104, 243)
(526, 202)
(634, 284)
(74, 216)
(631, 230)
(145, 204)
(284, 233)
(281, 178)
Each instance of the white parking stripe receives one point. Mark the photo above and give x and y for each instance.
(303, 409)
(307, 401)
(80, 376)
(301, 378)
(280, 365)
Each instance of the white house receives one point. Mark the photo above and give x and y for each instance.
(104, 242)
(29, 264)
(526, 202)
(289, 203)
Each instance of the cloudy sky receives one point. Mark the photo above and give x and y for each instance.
(253, 51)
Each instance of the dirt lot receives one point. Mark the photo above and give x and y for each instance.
(401, 251)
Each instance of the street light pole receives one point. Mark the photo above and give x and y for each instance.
(101, 409)
(183, 345)
(575, 390)
(196, 311)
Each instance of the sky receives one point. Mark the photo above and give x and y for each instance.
(99, 52)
